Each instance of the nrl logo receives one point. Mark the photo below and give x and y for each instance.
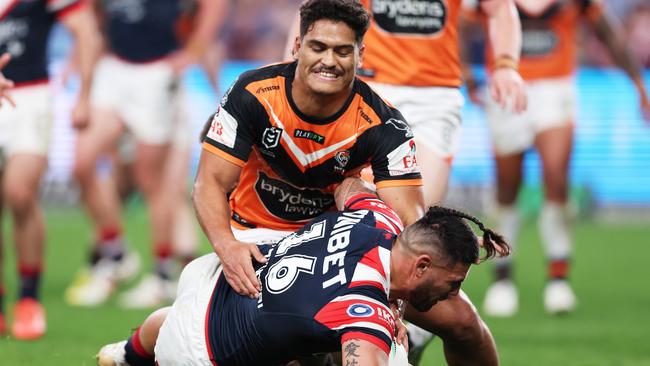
(401, 125)
(271, 137)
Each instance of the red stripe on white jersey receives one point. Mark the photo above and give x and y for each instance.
(357, 311)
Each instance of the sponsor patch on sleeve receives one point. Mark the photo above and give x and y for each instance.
(223, 128)
(403, 160)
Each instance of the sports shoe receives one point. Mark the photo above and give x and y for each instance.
(559, 297)
(3, 325)
(501, 299)
(152, 291)
(112, 355)
(29, 320)
(93, 286)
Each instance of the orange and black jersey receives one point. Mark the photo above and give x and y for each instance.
(291, 163)
(413, 42)
(549, 43)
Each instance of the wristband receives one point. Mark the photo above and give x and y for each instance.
(505, 61)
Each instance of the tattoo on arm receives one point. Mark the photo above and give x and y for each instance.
(351, 355)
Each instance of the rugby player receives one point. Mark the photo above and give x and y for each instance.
(412, 59)
(25, 133)
(138, 93)
(5, 84)
(325, 288)
(548, 64)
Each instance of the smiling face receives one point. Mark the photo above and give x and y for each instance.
(435, 283)
(328, 56)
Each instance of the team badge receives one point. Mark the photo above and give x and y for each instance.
(342, 159)
(360, 311)
(271, 137)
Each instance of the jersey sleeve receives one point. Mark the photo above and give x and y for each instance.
(61, 8)
(385, 217)
(393, 149)
(359, 316)
(231, 132)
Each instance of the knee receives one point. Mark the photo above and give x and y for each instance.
(466, 327)
(21, 199)
(83, 168)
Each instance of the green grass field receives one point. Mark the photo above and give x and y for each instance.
(610, 327)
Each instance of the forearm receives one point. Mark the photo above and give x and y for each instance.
(504, 29)
(209, 19)
(213, 213)
(607, 32)
(407, 202)
(87, 48)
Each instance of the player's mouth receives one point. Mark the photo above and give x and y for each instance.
(328, 75)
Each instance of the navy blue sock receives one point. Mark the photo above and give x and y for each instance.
(30, 278)
(136, 354)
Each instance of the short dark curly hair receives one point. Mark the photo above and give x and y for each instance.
(350, 12)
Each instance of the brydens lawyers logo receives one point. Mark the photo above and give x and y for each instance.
(271, 137)
(360, 311)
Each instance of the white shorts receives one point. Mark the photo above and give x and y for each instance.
(551, 103)
(434, 114)
(26, 128)
(182, 338)
(259, 235)
(147, 97)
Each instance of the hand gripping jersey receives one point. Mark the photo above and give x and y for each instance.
(412, 42)
(142, 30)
(24, 31)
(292, 162)
(549, 47)
(321, 286)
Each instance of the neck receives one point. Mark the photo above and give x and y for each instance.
(398, 283)
(317, 105)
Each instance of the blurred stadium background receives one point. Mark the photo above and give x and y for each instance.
(610, 174)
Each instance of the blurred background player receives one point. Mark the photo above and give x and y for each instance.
(138, 97)
(25, 134)
(416, 66)
(5, 84)
(548, 64)
(424, 264)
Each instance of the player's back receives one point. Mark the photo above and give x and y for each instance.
(320, 285)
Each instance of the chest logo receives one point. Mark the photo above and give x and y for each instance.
(309, 135)
(271, 137)
(342, 159)
(410, 17)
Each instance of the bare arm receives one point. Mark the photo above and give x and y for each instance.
(5, 84)
(406, 201)
(504, 30)
(82, 25)
(214, 179)
(208, 20)
(609, 33)
(361, 352)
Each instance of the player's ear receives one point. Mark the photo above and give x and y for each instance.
(296, 48)
(422, 264)
(361, 52)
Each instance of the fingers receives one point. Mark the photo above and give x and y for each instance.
(4, 60)
(239, 280)
(249, 280)
(257, 255)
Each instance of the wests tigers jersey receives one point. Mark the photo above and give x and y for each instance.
(325, 284)
(291, 163)
(412, 43)
(549, 43)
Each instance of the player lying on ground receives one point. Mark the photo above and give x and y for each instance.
(328, 285)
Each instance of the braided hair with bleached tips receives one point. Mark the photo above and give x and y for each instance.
(446, 230)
